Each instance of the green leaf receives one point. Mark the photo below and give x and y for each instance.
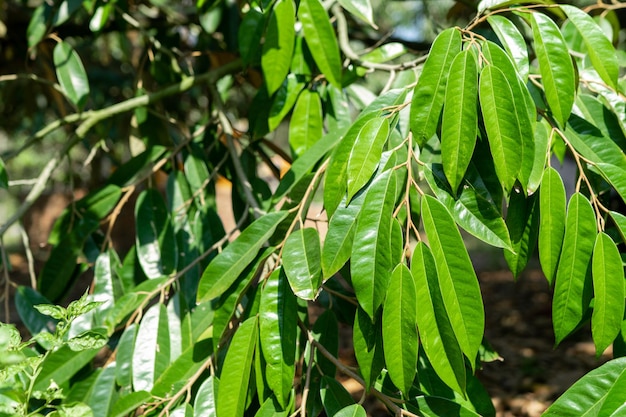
(551, 221)
(61, 365)
(513, 42)
(205, 404)
(503, 123)
(620, 222)
(302, 262)
(278, 318)
(368, 347)
(572, 290)
(305, 127)
(320, 37)
(129, 402)
(89, 339)
(542, 150)
(124, 358)
(4, 178)
(284, 100)
(235, 375)
(361, 9)
(599, 47)
(371, 262)
(334, 396)
(354, 410)
(278, 47)
(555, 66)
(598, 393)
(326, 332)
(459, 125)
(366, 153)
(104, 393)
(249, 36)
(71, 74)
(429, 93)
(26, 298)
(437, 406)
(457, 279)
(226, 267)
(400, 339)
(151, 353)
(155, 242)
(182, 369)
(435, 331)
(608, 288)
(522, 220)
(471, 209)
(38, 24)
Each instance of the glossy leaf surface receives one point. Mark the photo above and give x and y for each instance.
(305, 127)
(302, 262)
(552, 221)
(279, 41)
(71, 74)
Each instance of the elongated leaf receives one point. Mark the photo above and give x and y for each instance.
(572, 290)
(326, 332)
(183, 368)
(365, 153)
(278, 318)
(104, 393)
(334, 396)
(608, 288)
(205, 404)
(471, 209)
(278, 47)
(371, 262)
(502, 123)
(437, 406)
(151, 353)
(354, 410)
(513, 42)
(321, 39)
(551, 221)
(599, 47)
(368, 346)
(71, 74)
(555, 65)
(620, 222)
(361, 9)
(400, 339)
(4, 178)
(598, 393)
(302, 262)
(459, 125)
(522, 220)
(124, 358)
(305, 127)
(235, 376)
(249, 36)
(284, 100)
(129, 402)
(226, 267)
(457, 279)
(436, 333)
(429, 93)
(61, 365)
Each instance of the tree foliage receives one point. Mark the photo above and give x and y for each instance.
(361, 212)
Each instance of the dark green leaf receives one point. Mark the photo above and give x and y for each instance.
(368, 347)
(129, 402)
(4, 178)
(284, 100)
(522, 220)
(249, 36)
(302, 262)
(71, 74)
(552, 221)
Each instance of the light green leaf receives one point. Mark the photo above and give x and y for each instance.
(104, 392)
(151, 354)
(124, 358)
(60, 365)
(38, 24)
(235, 375)
(205, 404)
(599, 47)
(284, 100)
(400, 339)
(551, 221)
(354, 410)
(365, 153)
(522, 220)
(305, 127)
(620, 222)
(555, 66)
(361, 9)
(503, 123)
(302, 262)
(368, 346)
(429, 93)
(385, 52)
(435, 331)
(513, 42)
(100, 17)
(598, 393)
(371, 262)
(130, 402)
(226, 267)
(71, 74)
(457, 279)
(459, 125)
(321, 39)
(572, 290)
(278, 318)
(278, 47)
(608, 289)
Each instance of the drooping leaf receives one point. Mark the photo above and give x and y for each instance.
(71, 74)
(249, 36)
(127, 403)
(457, 279)
(151, 353)
(354, 410)
(361, 9)
(104, 392)
(321, 39)
(284, 100)
(334, 396)
(459, 125)
(551, 221)
(608, 289)
(400, 340)
(205, 404)
(365, 153)
(226, 267)
(61, 365)
(326, 332)
(124, 358)
(302, 262)
(435, 331)
(599, 47)
(278, 47)
(4, 178)
(555, 65)
(513, 42)
(429, 93)
(437, 406)
(305, 127)
(235, 375)
(368, 346)
(371, 262)
(572, 290)
(522, 220)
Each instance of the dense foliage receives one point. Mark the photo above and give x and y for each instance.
(353, 164)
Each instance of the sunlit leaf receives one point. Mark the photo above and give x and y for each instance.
(104, 392)
(552, 221)
(278, 47)
(151, 353)
(361, 9)
(71, 74)
(302, 262)
(513, 42)
(305, 127)
(284, 100)
(205, 404)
